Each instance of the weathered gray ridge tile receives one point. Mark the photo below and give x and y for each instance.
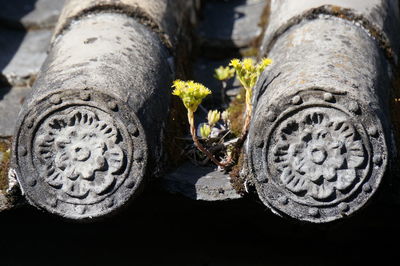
(319, 143)
(91, 132)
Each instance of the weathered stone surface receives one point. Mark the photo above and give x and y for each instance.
(92, 129)
(231, 24)
(318, 140)
(23, 55)
(30, 14)
(200, 183)
(166, 17)
(84, 164)
(11, 100)
(379, 17)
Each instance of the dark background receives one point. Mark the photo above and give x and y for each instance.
(165, 229)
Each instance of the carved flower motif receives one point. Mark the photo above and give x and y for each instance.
(318, 156)
(81, 154)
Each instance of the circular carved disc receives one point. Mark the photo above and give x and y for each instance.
(316, 160)
(78, 158)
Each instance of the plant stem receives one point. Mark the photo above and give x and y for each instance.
(238, 146)
(249, 109)
(196, 140)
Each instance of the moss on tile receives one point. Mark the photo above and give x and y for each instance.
(236, 110)
(5, 150)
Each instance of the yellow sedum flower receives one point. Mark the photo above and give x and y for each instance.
(264, 63)
(213, 117)
(235, 63)
(248, 72)
(191, 93)
(224, 73)
(205, 131)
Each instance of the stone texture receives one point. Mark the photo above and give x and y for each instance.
(92, 129)
(30, 14)
(200, 183)
(87, 175)
(231, 24)
(23, 55)
(166, 17)
(378, 17)
(318, 140)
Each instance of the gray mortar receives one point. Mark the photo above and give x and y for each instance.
(91, 132)
(317, 147)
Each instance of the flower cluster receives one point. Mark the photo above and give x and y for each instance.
(191, 93)
(248, 72)
(224, 73)
(205, 131)
(213, 117)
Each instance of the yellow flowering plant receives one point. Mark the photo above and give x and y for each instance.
(205, 131)
(213, 117)
(248, 72)
(192, 94)
(224, 73)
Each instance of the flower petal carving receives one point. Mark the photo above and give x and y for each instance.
(318, 155)
(345, 178)
(81, 154)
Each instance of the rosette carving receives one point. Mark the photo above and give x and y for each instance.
(317, 155)
(81, 154)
